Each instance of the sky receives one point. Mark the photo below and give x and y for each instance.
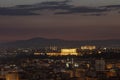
(61, 19)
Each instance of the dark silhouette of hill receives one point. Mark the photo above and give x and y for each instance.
(43, 42)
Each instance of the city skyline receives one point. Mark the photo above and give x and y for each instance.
(62, 19)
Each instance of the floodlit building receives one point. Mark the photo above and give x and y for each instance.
(88, 47)
(69, 52)
(64, 52)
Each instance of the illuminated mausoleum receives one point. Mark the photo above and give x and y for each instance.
(64, 52)
(69, 52)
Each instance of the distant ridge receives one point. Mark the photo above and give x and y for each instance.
(40, 42)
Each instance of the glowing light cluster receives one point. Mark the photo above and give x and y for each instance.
(12, 76)
(64, 52)
(53, 54)
(68, 50)
(88, 47)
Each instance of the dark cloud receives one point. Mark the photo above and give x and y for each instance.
(55, 2)
(54, 6)
(10, 11)
(95, 14)
(29, 9)
(112, 6)
(46, 5)
(83, 10)
(87, 10)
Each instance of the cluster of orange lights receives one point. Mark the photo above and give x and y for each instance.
(88, 47)
(64, 52)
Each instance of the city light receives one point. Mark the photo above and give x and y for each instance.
(88, 47)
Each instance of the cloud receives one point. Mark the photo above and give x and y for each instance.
(95, 14)
(49, 5)
(12, 12)
(56, 2)
(57, 7)
(30, 9)
(83, 10)
(94, 11)
(112, 6)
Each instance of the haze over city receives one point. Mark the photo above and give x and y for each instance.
(63, 19)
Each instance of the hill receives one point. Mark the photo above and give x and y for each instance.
(43, 42)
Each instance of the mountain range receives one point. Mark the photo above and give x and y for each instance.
(43, 42)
